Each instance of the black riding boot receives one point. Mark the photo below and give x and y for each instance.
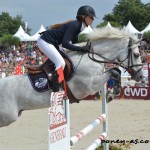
(55, 83)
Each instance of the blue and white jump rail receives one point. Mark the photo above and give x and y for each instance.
(59, 124)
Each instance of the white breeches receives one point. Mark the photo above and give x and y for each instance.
(51, 52)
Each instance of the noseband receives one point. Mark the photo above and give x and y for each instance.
(130, 69)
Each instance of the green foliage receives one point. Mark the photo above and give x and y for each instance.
(8, 40)
(147, 35)
(117, 147)
(134, 10)
(82, 38)
(10, 25)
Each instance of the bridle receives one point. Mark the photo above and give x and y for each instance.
(129, 68)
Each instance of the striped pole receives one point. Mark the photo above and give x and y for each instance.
(97, 142)
(87, 129)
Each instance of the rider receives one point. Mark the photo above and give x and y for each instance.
(65, 34)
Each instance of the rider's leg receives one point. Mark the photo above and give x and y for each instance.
(51, 52)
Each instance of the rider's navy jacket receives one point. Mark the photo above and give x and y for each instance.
(64, 35)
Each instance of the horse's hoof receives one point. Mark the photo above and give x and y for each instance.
(109, 97)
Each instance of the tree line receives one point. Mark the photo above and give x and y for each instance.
(134, 10)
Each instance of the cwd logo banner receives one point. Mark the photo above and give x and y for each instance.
(134, 92)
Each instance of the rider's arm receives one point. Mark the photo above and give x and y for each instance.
(72, 31)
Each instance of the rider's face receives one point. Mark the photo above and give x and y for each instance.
(89, 20)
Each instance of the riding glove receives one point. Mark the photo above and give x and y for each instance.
(86, 48)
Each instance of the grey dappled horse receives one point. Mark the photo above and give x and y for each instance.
(108, 44)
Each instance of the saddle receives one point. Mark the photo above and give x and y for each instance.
(48, 67)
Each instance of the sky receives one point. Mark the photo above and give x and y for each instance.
(48, 12)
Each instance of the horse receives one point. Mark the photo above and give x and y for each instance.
(107, 45)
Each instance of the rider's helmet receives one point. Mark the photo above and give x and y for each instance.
(86, 11)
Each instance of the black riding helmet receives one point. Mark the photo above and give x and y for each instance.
(86, 11)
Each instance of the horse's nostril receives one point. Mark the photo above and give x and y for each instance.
(141, 77)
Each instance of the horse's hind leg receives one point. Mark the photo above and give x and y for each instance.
(8, 117)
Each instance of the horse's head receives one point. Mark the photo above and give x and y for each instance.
(111, 43)
(130, 59)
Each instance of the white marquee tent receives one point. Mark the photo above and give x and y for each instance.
(131, 28)
(86, 30)
(146, 29)
(21, 34)
(36, 35)
(108, 24)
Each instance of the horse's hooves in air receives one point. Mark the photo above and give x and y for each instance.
(109, 97)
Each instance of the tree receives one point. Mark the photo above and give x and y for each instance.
(134, 10)
(147, 35)
(8, 40)
(113, 24)
(10, 25)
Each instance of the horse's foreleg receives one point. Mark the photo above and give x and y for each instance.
(7, 117)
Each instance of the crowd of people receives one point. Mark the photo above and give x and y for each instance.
(25, 53)
(29, 53)
(145, 50)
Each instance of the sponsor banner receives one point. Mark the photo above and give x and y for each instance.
(145, 70)
(134, 92)
(58, 127)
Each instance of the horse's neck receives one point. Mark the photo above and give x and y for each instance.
(89, 74)
(76, 57)
(110, 48)
(86, 77)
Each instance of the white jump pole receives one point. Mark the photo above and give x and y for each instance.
(97, 142)
(105, 111)
(81, 134)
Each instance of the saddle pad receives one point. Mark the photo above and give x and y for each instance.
(39, 81)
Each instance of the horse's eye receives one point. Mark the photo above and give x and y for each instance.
(136, 55)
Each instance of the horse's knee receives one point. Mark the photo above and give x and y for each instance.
(7, 119)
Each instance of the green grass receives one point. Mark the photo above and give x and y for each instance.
(117, 147)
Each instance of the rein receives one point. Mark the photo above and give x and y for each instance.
(130, 69)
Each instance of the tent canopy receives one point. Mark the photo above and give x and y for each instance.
(21, 34)
(131, 28)
(146, 29)
(86, 30)
(108, 24)
(36, 35)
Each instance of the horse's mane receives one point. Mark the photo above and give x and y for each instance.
(109, 32)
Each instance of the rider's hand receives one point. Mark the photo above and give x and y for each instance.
(86, 48)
